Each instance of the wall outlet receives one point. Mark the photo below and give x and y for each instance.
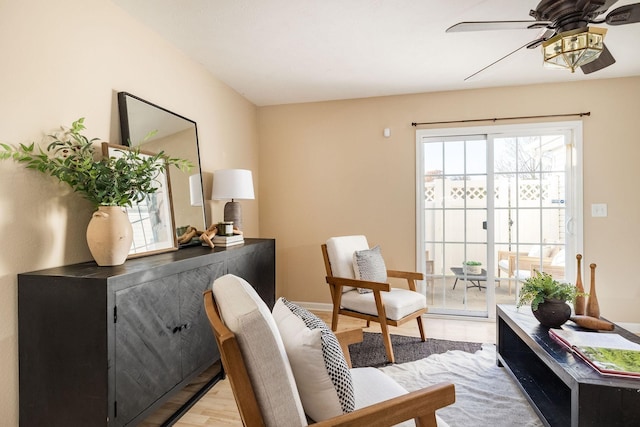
(599, 210)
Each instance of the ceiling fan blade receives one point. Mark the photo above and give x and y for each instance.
(623, 15)
(496, 61)
(604, 60)
(496, 25)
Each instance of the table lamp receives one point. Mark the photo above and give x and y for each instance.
(232, 184)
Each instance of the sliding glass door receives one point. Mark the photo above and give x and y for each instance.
(494, 206)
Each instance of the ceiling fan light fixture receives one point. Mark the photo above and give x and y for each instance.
(572, 49)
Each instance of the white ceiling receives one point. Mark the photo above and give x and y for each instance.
(289, 51)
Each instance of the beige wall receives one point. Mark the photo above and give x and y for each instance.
(65, 59)
(327, 170)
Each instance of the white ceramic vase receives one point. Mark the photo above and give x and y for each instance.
(109, 235)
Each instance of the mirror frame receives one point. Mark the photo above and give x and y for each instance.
(126, 127)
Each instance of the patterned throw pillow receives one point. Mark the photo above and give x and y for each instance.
(369, 265)
(319, 367)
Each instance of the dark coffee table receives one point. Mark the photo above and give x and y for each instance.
(563, 389)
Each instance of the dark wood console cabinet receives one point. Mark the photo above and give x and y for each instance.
(108, 346)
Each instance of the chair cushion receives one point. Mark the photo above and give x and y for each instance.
(558, 259)
(372, 386)
(504, 264)
(398, 303)
(340, 251)
(368, 264)
(319, 366)
(522, 274)
(265, 357)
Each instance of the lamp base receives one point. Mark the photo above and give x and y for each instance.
(233, 212)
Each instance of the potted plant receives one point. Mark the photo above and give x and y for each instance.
(472, 267)
(108, 182)
(548, 299)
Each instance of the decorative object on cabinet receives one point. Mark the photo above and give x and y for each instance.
(548, 299)
(109, 181)
(177, 136)
(232, 184)
(114, 346)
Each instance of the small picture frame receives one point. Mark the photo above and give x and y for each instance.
(152, 218)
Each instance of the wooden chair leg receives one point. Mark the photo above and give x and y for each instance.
(386, 339)
(421, 328)
(382, 318)
(427, 421)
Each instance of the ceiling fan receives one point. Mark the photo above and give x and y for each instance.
(566, 38)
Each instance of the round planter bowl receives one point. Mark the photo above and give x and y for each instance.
(552, 313)
(472, 269)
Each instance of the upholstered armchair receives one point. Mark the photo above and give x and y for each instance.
(358, 281)
(288, 369)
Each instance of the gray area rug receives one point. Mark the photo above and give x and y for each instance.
(371, 352)
(485, 394)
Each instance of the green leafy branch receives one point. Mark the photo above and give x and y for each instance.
(117, 180)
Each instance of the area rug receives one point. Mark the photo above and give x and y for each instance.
(485, 394)
(371, 351)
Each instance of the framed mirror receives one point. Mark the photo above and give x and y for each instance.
(177, 136)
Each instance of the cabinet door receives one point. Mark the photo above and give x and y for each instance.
(198, 344)
(147, 345)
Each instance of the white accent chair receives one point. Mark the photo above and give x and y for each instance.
(389, 306)
(256, 363)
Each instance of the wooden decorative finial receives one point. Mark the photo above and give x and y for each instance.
(579, 303)
(593, 308)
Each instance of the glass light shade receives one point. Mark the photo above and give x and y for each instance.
(232, 184)
(572, 49)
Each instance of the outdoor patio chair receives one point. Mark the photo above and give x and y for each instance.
(364, 293)
(277, 384)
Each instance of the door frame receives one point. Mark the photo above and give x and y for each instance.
(573, 209)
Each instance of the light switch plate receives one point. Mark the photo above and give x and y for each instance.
(599, 210)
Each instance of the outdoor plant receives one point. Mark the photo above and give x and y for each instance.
(542, 286)
(104, 181)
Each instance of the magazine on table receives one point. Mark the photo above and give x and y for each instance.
(607, 353)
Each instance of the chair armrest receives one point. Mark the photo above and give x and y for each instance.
(396, 274)
(410, 276)
(347, 337)
(420, 404)
(343, 281)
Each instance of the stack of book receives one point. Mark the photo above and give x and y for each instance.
(226, 241)
(609, 354)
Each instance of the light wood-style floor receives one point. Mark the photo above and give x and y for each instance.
(218, 407)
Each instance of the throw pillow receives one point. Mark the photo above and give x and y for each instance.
(318, 364)
(369, 265)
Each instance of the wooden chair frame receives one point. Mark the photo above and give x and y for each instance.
(336, 284)
(419, 405)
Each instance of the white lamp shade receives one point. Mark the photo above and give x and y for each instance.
(232, 184)
(195, 190)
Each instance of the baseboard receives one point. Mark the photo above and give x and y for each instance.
(314, 306)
